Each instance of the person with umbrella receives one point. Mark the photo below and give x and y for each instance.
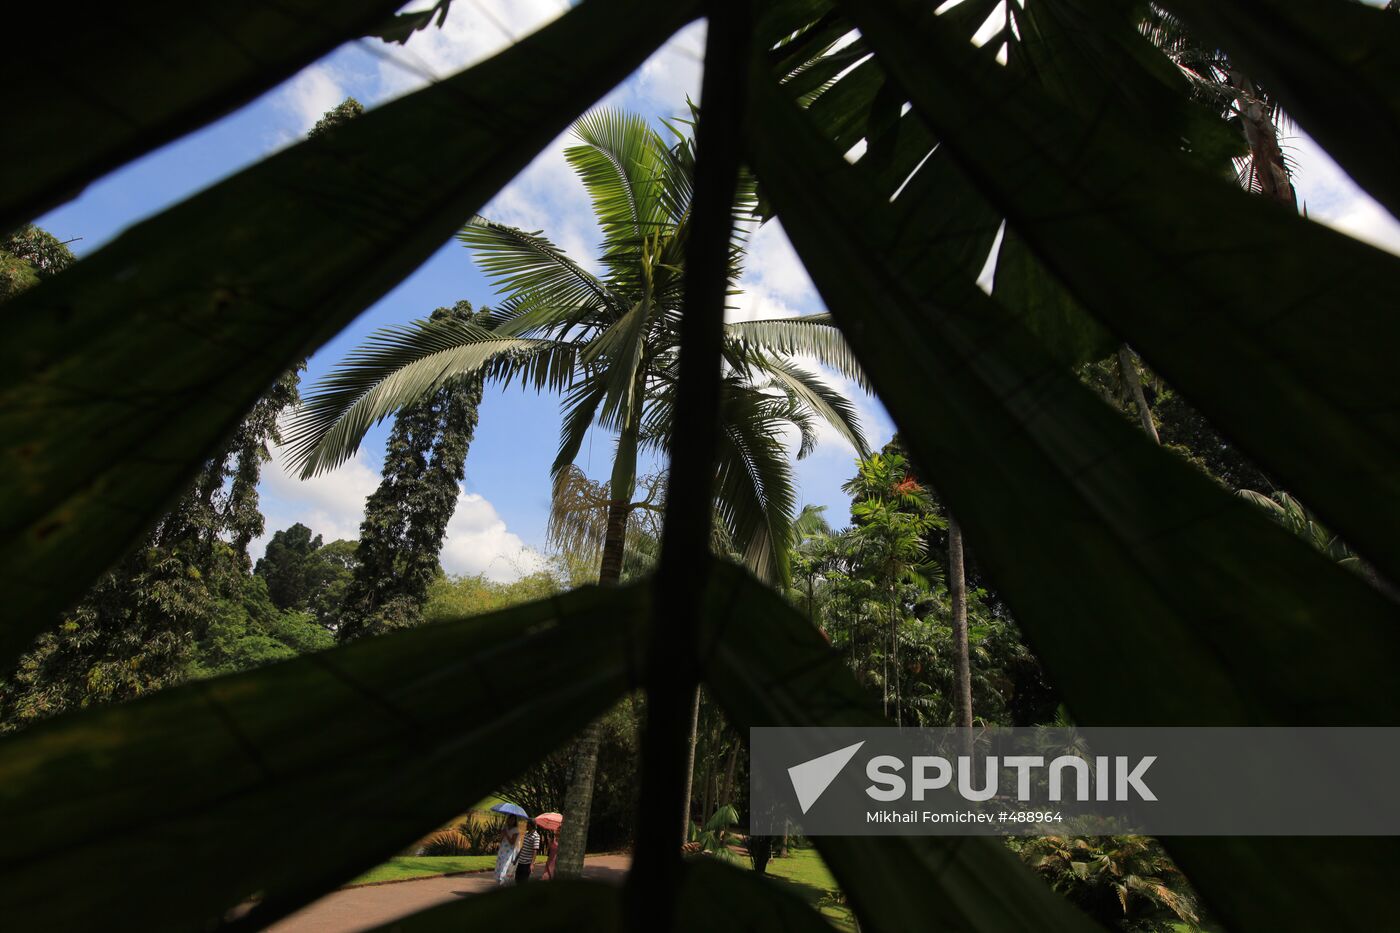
(550, 822)
(510, 839)
(525, 854)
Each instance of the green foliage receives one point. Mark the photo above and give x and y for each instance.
(876, 590)
(341, 113)
(1181, 427)
(129, 637)
(482, 831)
(302, 574)
(135, 631)
(1126, 883)
(446, 842)
(406, 517)
(717, 838)
(27, 257)
(248, 630)
(455, 597)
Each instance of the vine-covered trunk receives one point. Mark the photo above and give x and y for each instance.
(578, 801)
(957, 594)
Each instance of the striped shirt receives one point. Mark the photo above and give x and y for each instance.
(528, 848)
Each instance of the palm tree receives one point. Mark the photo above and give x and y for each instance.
(1263, 168)
(609, 343)
(893, 515)
(810, 535)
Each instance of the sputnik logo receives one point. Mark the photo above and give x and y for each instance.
(811, 778)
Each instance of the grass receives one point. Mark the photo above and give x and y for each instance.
(405, 867)
(806, 875)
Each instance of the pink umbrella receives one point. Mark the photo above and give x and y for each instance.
(549, 821)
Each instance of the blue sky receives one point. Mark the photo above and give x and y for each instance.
(500, 521)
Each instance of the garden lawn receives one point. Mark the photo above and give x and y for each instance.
(805, 874)
(405, 867)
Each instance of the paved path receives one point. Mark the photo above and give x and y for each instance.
(351, 910)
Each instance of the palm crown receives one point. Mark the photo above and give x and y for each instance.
(609, 343)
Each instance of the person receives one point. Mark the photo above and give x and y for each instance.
(509, 846)
(529, 845)
(553, 857)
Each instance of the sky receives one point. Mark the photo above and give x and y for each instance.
(498, 528)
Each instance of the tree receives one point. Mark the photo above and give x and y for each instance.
(610, 343)
(28, 256)
(406, 517)
(135, 632)
(284, 566)
(247, 630)
(893, 515)
(341, 113)
(304, 575)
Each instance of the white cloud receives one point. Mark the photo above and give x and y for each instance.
(333, 505)
(674, 71)
(772, 262)
(756, 302)
(310, 94)
(479, 542)
(1331, 197)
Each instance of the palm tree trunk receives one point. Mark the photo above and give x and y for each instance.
(957, 593)
(711, 780)
(1261, 135)
(690, 766)
(727, 795)
(1132, 388)
(578, 801)
(885, 677)
(614, 544)
(894, 652)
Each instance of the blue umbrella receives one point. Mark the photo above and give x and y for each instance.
(510, 809)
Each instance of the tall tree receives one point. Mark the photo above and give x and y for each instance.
(893, 515)
(406, 517)
(610, 344)
(135, 631)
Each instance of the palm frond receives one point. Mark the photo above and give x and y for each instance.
(815, 395)
(396, 367)
(618, 162)
(620, 352)
(578, 514)
(812, 335)
(580, 411)
(755, 493)
(538, 274)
